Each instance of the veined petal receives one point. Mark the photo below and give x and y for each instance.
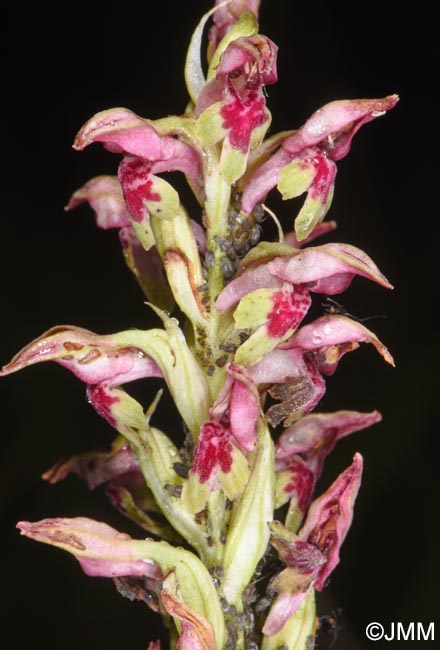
(123, 357)
(315, 435)
(104, 551)
(331, 128)
(104, 194)
(334, 330)
(329, 518)
(179, 367)
(122, 131)
(334, 125)
(326, 269)
(91, 357)
(100, 549)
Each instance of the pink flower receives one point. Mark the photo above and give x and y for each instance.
(304, 162)
(327, 269)
(329, 518)
(100, 549)
(295, 369)
(91, 357)
(218, 458)
(232, 107)
(314, 437)
(122, 131)
(314, 553)
(226, 16)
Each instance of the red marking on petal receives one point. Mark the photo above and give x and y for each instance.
(213, 449)
(289, 308)
(325, 172)
(102, 401)
(240, 118)
(135, 178)
(301, 483)
(324, 536)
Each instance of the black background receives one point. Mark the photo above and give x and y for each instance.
(61, 65)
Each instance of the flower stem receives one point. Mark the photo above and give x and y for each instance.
(218, 194)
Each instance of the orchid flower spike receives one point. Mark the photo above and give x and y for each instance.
(237, 347)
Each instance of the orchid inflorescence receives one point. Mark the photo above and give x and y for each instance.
(237, 486)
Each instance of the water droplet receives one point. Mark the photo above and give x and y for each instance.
(317, 339)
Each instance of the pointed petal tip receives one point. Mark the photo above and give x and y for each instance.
(358, 459)
(391, 100)
(375, 416)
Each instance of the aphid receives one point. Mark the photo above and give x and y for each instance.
(232, 215)
(174, 490)
(228, 347)
(181, 470)
(226, 267)
(255, 234)
(210, 370)
(209, 258)
(226, 246)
